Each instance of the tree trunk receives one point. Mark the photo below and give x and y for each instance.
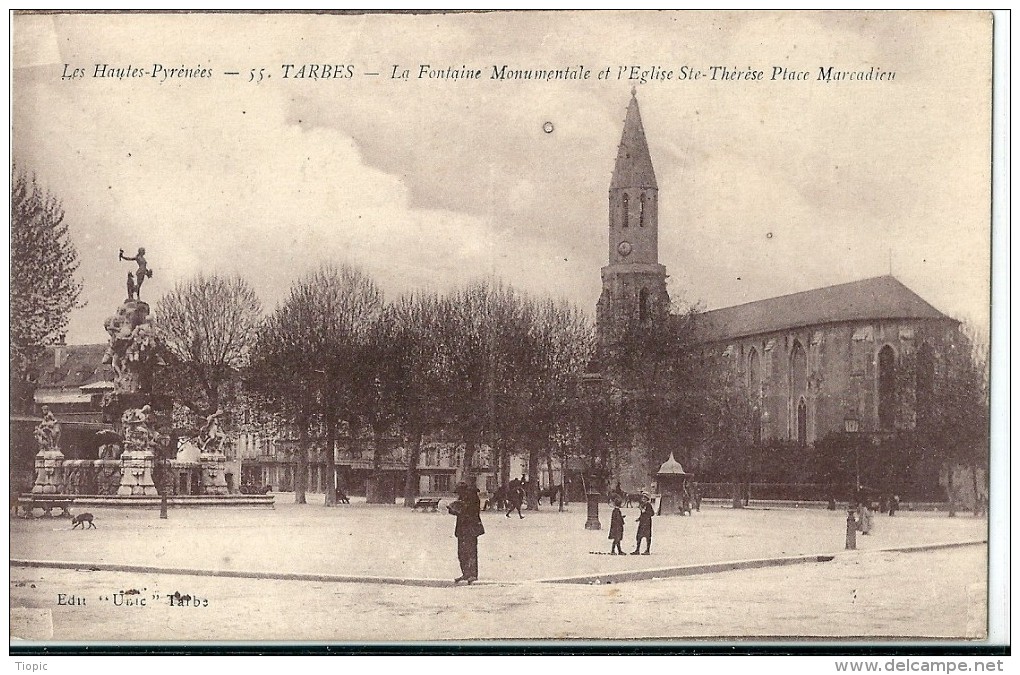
(331, 423)
(563, 477)
(977, 500)
(738, 502)
(532, 492)
(470, 446)
(378, 490)
(301, 470)
(411, 477)
(951, 493)
(504, 463)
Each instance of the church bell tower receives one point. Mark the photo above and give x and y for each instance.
(633, 281)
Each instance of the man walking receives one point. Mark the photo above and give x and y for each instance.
(515, 497)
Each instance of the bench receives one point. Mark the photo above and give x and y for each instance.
(425, 503)
(28, 503)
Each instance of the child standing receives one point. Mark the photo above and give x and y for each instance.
(616, 528)
(644, 526)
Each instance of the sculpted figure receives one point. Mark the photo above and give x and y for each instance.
(137, 432)
(142, 273)
(210, 432)
(47, 434)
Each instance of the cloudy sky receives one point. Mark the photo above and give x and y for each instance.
(766, 187)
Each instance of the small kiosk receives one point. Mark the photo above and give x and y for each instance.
(672, 480)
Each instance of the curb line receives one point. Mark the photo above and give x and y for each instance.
(239, 574)
(732, 565)
(607, 578)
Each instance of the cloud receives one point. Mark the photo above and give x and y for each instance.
(432, 183)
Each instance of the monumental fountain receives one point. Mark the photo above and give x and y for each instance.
(139, 445)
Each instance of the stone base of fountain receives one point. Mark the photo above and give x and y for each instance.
(151, 502)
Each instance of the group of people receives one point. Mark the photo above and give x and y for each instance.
(863, 510)
(467, 508)
(511, 496)
(644, 526)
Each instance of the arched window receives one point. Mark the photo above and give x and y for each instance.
(643, 305)
(754, 375)
(886, 388)
(798, 370)
(802, 422)
(641, 210)
(924, 388)
(626, 209)
(798, 387)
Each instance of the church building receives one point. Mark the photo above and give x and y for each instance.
(850, 358)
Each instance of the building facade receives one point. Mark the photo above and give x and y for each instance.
(851, 358)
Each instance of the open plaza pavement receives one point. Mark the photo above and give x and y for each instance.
(370, 573)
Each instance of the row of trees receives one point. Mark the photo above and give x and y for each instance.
(487, 363)
(490, 365)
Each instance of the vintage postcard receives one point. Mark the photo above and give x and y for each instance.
(499, 328)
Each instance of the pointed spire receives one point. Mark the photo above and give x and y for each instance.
(633, 161)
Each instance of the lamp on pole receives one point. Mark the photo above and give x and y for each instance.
(851, 425)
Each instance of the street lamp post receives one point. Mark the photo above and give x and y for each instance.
(166, 481)
(851, 426)
(592, 383)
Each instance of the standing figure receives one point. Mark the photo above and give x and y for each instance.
(894, 505)
(515, 497)
(864, 518)
(616, 528)
(468, 529)
(48, 432)
(141, 274)
(617, 492)
(131, 288)
(211, 430)
(644, 525)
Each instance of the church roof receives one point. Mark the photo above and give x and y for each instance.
(868, 299)
(633, 161)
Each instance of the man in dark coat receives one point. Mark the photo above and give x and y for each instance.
(616, 528)
(468, 529)
(644, 525)
(515, 497)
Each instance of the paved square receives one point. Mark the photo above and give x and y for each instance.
(868, 593)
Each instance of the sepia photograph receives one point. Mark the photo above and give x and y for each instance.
(663, 329)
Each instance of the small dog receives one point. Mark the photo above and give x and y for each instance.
(81, 519)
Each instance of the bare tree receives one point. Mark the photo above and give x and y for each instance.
(378, 387)
(317, 340)
(282, 391)
(425, 355)
(554, 351)
(208, 325)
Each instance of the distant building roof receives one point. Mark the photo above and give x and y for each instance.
(868, 299)
(76, 366)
